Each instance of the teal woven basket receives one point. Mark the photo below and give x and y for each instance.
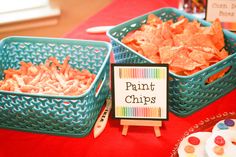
(187, 94)
(60, 115)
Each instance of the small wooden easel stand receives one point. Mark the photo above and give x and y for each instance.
(154, 123)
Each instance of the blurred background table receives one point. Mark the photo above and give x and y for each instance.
(73, 12)
(140, 141)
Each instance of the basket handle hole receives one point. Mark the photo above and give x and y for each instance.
(216, 76)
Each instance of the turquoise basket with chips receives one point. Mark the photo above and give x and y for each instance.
(59, 115)
(187, 94)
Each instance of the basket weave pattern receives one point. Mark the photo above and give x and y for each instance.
(61, 115)
(187, 94)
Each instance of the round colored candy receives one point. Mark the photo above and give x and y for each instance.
(191, 155)
(189, 149)
(193, 145)
(229, 122)
(193, 140)
(234, 142)
(218, 150)
(219, 140)
(222, 126)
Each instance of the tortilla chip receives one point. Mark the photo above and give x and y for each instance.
(168, 42)
(191, 28)
(176, 70)
(182, 60)
(190, 72)
(153, 20)
(180, 39)
(178, 27)
(201, 57)
(201, 40)
(149, 49)
(223, 54)
(186, 46)
(166, 31)
(155, 58)
(216, 34)
(128, 38)
(167, 54)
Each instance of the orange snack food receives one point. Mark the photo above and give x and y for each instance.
(189, 149)
(49, 78)
(185, 45)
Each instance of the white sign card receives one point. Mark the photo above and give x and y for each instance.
(225, 10)
(140, 91)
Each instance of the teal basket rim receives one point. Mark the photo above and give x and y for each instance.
(108, 45)
(109, 32)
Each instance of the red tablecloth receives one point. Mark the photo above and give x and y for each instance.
(140, 141)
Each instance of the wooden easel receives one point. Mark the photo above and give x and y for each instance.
(154, 123)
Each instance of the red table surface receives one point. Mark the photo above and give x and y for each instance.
(140, 141)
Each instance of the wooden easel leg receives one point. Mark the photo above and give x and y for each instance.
(127, 123)
(125, 130)
(157, 131)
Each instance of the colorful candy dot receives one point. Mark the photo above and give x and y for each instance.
(222, 126)
(218, 150)
(189, 149)
(219, 140)
(229, 122)
(191, 155)
(234, 143)
(193, 140)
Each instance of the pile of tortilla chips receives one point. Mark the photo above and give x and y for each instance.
(186, 46)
